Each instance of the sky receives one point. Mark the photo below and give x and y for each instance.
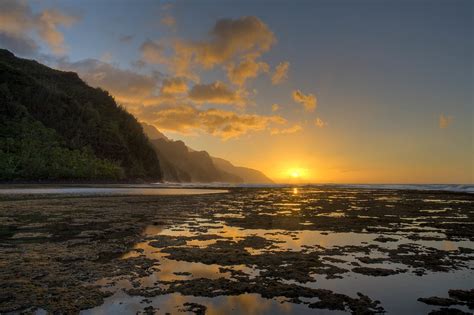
(336, 91)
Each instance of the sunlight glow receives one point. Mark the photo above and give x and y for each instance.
(296, 173)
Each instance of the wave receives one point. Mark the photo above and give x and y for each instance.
(439, 187)
(436, 187)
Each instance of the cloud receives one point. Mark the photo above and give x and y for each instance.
(132, 89)
(246, 69)
(49, 20)
(126, 86)
(215, 93)
(309, 101)
(107, 57)
(175, 103)
(445, 121)
(275, 107)
(320, 123)
(229, 40)
(168, 20)
(231, 37)
(290, 130)
(222, 123)
(153, 52)
(166, 105)
(281, 73)
(173, 86)
(126, 38)
(19, 45)
(18, 22)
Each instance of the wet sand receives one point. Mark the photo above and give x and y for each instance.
(323, 250)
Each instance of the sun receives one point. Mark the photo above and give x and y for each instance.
(295, 174)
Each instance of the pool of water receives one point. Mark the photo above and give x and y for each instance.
(389, 290)
(108, 191)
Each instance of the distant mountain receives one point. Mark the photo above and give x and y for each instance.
(248, 175)
(182, 164)
(54, 126)
(152, 132)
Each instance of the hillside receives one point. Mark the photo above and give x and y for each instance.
(54, 126)
(248, 175)
(182, 164)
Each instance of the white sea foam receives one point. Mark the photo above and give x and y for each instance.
(437, 187)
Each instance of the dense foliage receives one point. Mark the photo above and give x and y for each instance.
(54, 126)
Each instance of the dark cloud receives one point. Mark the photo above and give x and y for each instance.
(215, 93)
(230, 40)
(126, 38)
(18, 21)
(22, 46)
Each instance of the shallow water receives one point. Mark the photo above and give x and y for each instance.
(273, 250)
(397, 293)
(249, 304)
(389, 290)
(131, 191)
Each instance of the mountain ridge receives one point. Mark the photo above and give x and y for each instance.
(177, 157)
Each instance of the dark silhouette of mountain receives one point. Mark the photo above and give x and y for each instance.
(54, 126)
(248, 175)
(182, 164)
(152, 132)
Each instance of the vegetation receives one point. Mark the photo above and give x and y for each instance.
(54, 126)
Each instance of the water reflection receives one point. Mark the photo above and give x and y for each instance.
(108, 191)
(289, 203)
(245, 304)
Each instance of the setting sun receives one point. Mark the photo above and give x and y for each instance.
(296, 173)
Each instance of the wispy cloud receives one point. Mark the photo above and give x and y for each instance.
(307, 100)
(173, 86)
(281, 73)
(445, 121)
(293, 129)
(126, 38)
(18, 22)
(168, 20)
(216, 93)
(246, 69)
(320, 123)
